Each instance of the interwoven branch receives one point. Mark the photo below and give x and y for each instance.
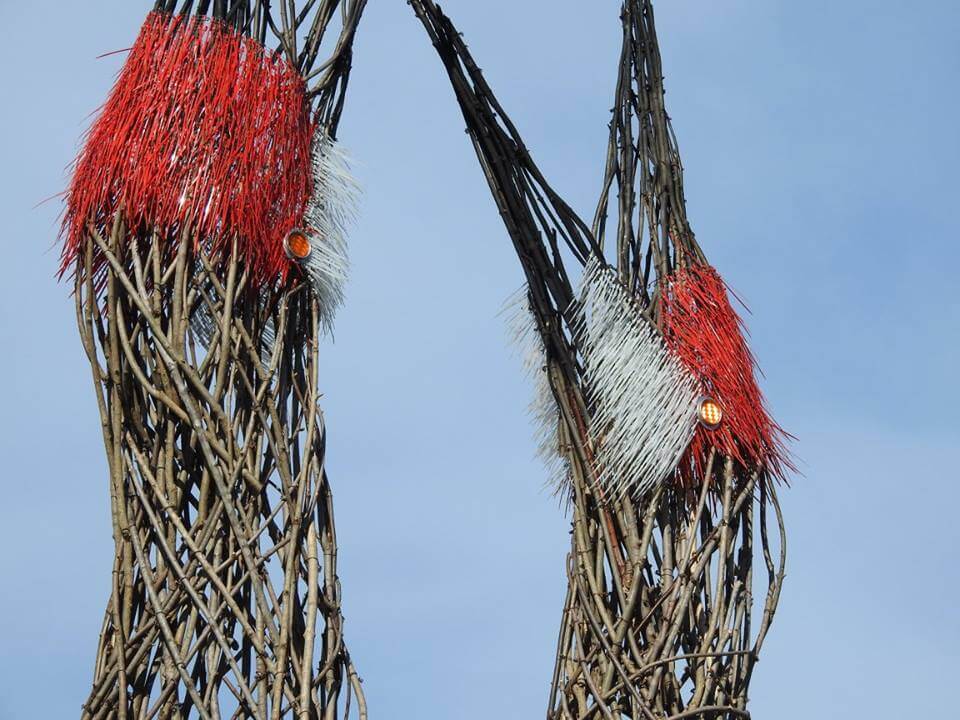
(295, 29)
(225, 593)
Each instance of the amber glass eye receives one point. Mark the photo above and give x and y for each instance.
(710, 413)
(297, 245)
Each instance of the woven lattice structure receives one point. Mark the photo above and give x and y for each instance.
(203, 340)
(672, 501)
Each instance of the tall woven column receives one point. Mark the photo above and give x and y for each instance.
(648, 408)
(206, 194)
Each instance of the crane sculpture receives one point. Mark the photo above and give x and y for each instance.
(204, 236)
(648, 407)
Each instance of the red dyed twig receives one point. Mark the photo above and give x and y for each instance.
(706, 333)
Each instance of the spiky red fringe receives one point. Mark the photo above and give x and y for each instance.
(705, 332)
(203, 129)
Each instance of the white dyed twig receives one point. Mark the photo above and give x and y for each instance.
(643, 401)
(330, 211)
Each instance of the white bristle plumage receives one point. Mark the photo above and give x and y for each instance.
(643, 400)
(330, 211)
(542, 410)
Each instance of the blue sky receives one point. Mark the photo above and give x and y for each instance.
(821, 151)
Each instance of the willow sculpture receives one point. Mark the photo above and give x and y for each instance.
(649, 404)
(204, 236)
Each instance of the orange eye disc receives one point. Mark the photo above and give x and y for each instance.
(710, 413)
(297, 245)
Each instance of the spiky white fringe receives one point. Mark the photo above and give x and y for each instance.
(542, 410)
(330, 211)
(643, 400)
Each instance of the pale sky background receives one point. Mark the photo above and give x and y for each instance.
(821, 145)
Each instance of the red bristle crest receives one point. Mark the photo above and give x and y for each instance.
(706, 333)
(203, 128)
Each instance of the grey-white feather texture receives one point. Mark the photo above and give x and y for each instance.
(643, 400)
(205, 326)
(331, 209)
(542, 410)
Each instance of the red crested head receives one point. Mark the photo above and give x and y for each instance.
(205, 132)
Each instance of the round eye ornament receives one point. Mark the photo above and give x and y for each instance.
(297, 245)
(709, 413)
